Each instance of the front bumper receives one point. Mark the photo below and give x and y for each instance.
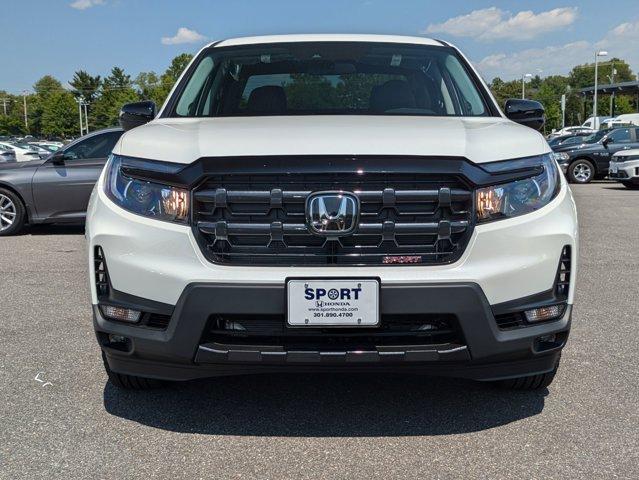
(182, 351)
(159, 266)
(624, 171)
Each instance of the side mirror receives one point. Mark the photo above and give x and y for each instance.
(526, 112)
(135, 114)
(58, 158)
(605, 141)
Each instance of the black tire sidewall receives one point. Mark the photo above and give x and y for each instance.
(572, 166)
(19, 221)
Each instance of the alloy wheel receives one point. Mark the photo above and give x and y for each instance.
(582, 172)
(8, 212)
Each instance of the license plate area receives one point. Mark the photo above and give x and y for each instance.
(332, 303)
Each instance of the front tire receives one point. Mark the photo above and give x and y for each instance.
(129, 382)
(530, 383)
(12, 213)
(581, 171)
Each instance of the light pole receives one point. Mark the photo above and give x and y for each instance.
(86, 117)
(79, 100)
(611, 77)
(523, 84)
(595, 125)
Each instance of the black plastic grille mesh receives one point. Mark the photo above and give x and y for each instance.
(260, 219)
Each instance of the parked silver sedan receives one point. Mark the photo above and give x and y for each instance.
(7, 154)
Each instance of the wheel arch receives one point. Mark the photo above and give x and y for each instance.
(584, 157)
(27, 207)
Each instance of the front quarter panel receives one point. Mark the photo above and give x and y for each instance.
(18, 177)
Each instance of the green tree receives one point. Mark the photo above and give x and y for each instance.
(43, 88)
(150, 87)
(46, 86)
(59, 115)
(115, 91)
(624, 104)
(85, 85)
(550, 98)
(505, 90)
(11, 123)
(583, 76)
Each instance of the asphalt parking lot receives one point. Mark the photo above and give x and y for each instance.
(59, 418)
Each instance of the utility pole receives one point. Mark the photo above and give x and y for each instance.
(24, 102)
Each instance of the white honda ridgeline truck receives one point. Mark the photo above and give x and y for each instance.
(332, 203)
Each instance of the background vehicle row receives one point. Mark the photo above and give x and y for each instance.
(55, 189)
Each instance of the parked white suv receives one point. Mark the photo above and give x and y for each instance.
(624, 167)
(332, 203)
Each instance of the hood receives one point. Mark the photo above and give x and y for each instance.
(17, 165)
(578, 146)
(184, 140)
(627, 153)
(584, 147)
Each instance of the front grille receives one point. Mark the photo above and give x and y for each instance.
(394, 330)
(619, 174)
(249, 219)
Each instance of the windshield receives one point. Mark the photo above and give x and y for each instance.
(330, 78)
(573, 140)
(595, 137)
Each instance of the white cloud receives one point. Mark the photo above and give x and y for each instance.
(620, 42)
(493, 23)
(84, 4)
(183, 35)
(550, 60)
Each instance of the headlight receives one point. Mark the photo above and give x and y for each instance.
(521, 196)
(560, 157)
(161, 202)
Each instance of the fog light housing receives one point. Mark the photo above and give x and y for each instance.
(543, 314)
(114, 339)
(121, 314)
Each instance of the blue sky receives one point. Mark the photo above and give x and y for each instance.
(505, 38)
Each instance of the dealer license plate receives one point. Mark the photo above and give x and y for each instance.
(333, 303)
